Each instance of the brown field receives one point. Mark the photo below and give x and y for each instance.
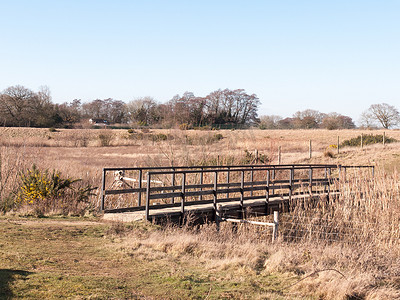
(346, 250)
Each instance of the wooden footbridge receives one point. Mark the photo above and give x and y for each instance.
(197, 194)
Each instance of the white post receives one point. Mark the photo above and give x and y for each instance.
(276, 225)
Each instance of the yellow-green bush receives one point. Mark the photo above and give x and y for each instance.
(49, 191)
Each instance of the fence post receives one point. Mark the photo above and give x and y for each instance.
(279, 155)
(256, 156)
(173, 184)
(362, 141)
(148, 197)
(338, 145)
(310, 150)
(183, 195)
(215, 192)
(140, 186)
(276, 226)
(251, 179)
(227, 181)
(241, 194)
(201, 182)
(383, 139)
(103, 187)
(267, 193)
(291, 183)
(310, 178)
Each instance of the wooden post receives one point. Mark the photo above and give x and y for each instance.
(310, 178)
(201, 182)
(256, 156)
(140, 186)
(103, 187)
(362, 141)
(383, 139)
(291, 183)
(276, 226)
(241, 192)
(251, 179)
(279, 155)
(183, 195)
(338, 145)
(173, 184)
(215, 192)
(227, 181)
(310, 150)
(267, 193)
(148, 197)
(329, 185)
(218, 216)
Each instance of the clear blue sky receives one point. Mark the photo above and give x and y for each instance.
(326, 55)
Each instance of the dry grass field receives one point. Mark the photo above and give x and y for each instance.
(348, 249)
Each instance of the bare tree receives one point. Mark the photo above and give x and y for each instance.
(108, 109)
(143, 111)
(387, 115)
(232, 107)
(20, 106)
(334, 120)
(269, 122)
(307, 119)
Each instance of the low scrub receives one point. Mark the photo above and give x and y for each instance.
(41, 192)
(368, 139)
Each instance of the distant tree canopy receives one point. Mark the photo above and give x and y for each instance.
(307, 119)
(20, 106)
(386, 115)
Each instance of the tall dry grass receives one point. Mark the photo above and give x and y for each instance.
(347, 248)
(344, 248)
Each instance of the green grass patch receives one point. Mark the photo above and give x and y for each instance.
(70, 258)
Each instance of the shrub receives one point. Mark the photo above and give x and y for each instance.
(37, 185)
(368, 139)
(250, 158)
(105, 139)
(218, 136)
(45, 191)
(159, 137)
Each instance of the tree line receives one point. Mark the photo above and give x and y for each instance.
(20, 106)
(377, 115)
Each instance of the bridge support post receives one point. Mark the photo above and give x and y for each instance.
(215, 198)
(103, 187)
(267, 194)
(276, 226)
(241, 195)
(291, 183)
(173, 184)
(140, 186)
(183, 197)
(147, 213)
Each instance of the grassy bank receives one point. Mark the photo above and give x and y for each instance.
(67, 258)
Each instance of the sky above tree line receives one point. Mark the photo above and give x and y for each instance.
(339, 56)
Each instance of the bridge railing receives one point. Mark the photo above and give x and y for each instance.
(210, 184)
